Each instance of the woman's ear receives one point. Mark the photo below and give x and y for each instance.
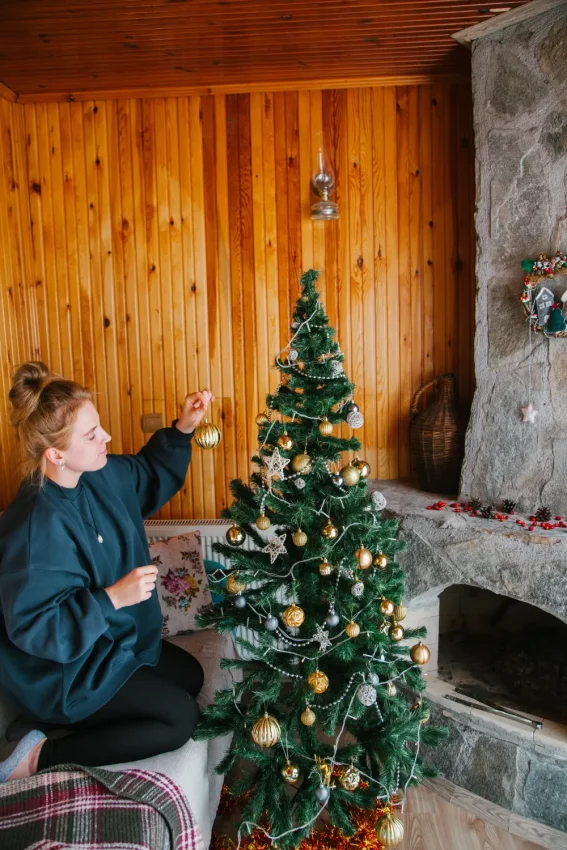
(53, 456)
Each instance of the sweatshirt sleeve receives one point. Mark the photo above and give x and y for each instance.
(48, 608)
(159, 469)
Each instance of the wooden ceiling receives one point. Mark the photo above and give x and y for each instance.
(75, 47)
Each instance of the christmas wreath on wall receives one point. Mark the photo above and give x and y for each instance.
(541, 301)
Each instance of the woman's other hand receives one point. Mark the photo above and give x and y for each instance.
(193, 410)
(136, 586)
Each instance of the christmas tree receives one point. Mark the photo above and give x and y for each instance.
(328, 715)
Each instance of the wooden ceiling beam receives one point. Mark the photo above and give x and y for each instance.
(7, 93)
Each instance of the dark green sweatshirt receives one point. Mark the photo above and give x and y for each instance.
(64, 649)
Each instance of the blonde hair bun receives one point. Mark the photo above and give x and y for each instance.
(28, 381)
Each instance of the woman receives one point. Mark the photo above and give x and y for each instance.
(80, 622)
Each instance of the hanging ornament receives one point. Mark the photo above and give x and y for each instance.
(299, 537)
(308, 717)
(240, 601)
(381, 561)
(400, 612)
(351, 407)
(263, 418)
(337, 480)
(290, 773)
(322, 793)
(427, 716)
(352, 629)
(391, 689)
(357, 589)
(325, 428)
(366, 694)
(390, 830)
(349, 777)
(420, 653)
(263, 522)
(318, 682)
(293, 354)
(285, 442)
(301, 463)
(529, 414)
(329, 531)
(233, 585)
(332, 619)
(207, 435)
(266, 731)
(354, 417)
(374, 678)
(299, 483)
(271, 623)
(397, 632)
(363, 467)
(350, 475)
(364, 557)
(387, 607)
(378, 500)
(275, 547)
(325, 568)
(274, 466)
(235, 535)
(293, 616)
(337, 368)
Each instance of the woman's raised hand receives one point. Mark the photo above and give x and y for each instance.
(136, 586)
(193, 410)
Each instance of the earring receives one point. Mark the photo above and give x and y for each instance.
(63, 465)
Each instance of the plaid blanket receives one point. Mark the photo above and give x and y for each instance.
(96, 809)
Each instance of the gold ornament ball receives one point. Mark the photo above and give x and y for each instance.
(266, 731)
(301, 463)
(207, 435)
(352, 629)
(387, 607)
(285, 442)
(308, 717)
(400, 612)
(263, 522)
(427, 716)
(349, 778)
(350, 475)
(236, 535)
(262, 419)
(233, 585)
(330, 531)
(364, 558)
(325, 568)
(420, 653)
(325, 428)
(381, 561)
(397, 632)
(390, 830)
(290, 773)
(363, 467)
(318, 682)
(299, 537)
(391, 689)
(293, 616)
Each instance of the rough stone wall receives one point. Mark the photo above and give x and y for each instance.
(520, 110)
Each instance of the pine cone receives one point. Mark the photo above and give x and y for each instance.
(486, 512)
(509, 505)
(475, 504)
(543, 514)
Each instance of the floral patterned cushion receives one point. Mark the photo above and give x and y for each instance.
(182, 585)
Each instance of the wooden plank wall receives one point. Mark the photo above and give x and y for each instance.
(153, 246)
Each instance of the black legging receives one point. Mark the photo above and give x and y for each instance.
(153, 712)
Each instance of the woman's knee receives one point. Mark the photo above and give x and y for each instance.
(183, 719)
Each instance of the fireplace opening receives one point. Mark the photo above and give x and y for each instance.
(497, 648)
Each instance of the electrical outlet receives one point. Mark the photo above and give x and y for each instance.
(152, 422)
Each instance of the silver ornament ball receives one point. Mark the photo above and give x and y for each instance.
(336, 367)
(357, 589)
(293, 354)
(322, 793)
(338, 480)
(332, 619)
(240, 602)
(374, 679)
(366, 694)
(271, 623)
(352, 407)
(355, 420)
(299, 483)
(378, 500)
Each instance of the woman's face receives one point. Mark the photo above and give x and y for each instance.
(87, 448)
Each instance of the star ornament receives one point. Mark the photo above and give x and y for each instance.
(322, 638)
(275, 465)
(529, 414)
(275, 547)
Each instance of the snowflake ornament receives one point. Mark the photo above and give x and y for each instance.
(275, 547)
(322, 638)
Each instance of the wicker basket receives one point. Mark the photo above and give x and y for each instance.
(437, 438)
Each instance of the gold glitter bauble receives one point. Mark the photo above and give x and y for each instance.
(290, 773)
(381, 561)
(325, 568)
(233, 585)
(263, 522)
(397, 632)
(363, 467)
(263, 418)
(350, 475)
(400, 612)
(308, 717)
(293, 616)
(390, 830)
(207, 435)
(325, 428)
(352, 629)
(236, 535)
(299, 537)
(266, 731)
(285, 442)
(420, 653)
(330, 531)
(301, 463)
(364, 558)
(387, 607)
(318, 682)
(349, 777)
(391, 689)
(427, 716)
